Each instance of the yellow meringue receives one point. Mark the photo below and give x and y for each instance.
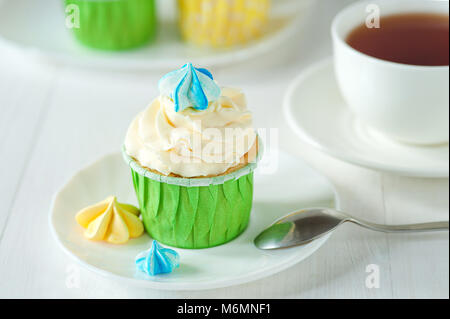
(110, 221)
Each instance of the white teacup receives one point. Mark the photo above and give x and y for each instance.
(407, 102)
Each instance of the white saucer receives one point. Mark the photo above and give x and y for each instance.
(38, 30)
(316, 111)
(234, 263)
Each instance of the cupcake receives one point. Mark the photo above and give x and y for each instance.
(222, 23)
(114, 24)
(192, 154)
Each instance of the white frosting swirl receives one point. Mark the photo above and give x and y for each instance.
(192, 143)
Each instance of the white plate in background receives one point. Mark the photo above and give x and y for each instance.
(316, 111)
(234, 263)
(37, 29)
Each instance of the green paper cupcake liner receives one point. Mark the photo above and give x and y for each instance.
(115, 24)
(193, 212)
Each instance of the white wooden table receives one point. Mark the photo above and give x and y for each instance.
(56, 119)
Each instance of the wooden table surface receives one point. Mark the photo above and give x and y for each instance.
(56, 119)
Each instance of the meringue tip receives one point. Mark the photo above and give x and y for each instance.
(110, 221)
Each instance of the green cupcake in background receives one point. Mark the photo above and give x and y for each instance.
(114, 24)
(192, 154)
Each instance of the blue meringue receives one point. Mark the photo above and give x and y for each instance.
(190, 87)
(157, 260)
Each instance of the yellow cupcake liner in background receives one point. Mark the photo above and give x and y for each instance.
(222, 23)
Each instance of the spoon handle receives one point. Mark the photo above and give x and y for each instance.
(412, 228)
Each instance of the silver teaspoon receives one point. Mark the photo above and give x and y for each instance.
(306, 225)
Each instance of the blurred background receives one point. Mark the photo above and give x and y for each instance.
(95, 87)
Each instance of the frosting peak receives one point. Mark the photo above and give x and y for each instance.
(190, 143)
(190, 87)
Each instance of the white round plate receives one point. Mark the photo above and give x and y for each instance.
(237, 262)
(316, 111)
(38, 28)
